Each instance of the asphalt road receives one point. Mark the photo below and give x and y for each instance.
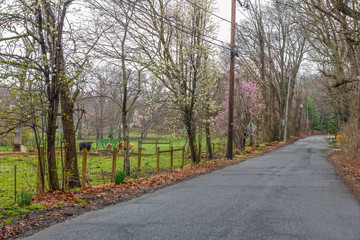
(290, 193)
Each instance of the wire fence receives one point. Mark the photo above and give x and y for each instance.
(20, 172)
(16, 177)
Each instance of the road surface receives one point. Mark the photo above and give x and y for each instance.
(290, 193)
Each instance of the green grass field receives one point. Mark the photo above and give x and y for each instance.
(99, 166)
(5, 148)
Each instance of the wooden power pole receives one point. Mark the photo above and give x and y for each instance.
(231, 82)
(287, 107)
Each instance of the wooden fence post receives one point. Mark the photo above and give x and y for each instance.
(157, 160)
(139, 161)
(113, 170)
(84, 163)
(183, 157)
(171, 157)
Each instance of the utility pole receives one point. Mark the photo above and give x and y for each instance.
(287, 106)
(231, 82)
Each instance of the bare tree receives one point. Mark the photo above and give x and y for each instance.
(171, 38)
(334, 34)
(115, 19)
(40, 26)
(273, 48)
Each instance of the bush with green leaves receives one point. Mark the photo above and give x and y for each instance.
(120, 177)
(135, 176)
(24, 198)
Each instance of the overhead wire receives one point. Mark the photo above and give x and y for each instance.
(176, 25)
(215, 15)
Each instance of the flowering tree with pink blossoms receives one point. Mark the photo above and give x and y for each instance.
(248, 104)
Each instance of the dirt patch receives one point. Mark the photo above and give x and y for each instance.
(349, 170)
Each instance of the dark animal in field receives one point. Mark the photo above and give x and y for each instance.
(86, 145)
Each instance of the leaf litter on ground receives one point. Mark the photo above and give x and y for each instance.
(64, 204)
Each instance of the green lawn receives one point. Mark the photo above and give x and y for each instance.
(5, 148)
(98, 166)
(25, 176)
(98, 170)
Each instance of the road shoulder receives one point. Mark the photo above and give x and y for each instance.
(349, 170)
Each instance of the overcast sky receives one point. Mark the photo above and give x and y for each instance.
(224, 11)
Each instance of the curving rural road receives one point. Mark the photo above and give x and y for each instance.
(290, 193)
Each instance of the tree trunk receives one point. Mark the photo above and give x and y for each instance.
(273, 121)
(208, 140)
(119, 131)
(145, 133)
(280, 128)
(18, 135)
(192, 141)
(199, 141)
(101, 117)
(111, 132)
(79, 135)
(251, 140)
(244, 139)
(40, 157)
(72, 178)
(51, 133)
(358, 119)
(126, 144)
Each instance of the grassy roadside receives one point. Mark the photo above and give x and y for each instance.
(99, 166)
(60, 205)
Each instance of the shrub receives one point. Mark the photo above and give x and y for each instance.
(135, 176)
(120, 177)
(237, 152)
(24, 198)
(349, 139)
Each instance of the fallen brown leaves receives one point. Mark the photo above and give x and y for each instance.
(349, 170)
(63, 204)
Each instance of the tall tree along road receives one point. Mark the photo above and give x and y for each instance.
(290, 193)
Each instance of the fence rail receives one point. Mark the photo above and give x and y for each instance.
(22, 172)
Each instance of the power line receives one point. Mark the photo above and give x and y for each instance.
(198, 6)
(176, 25)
